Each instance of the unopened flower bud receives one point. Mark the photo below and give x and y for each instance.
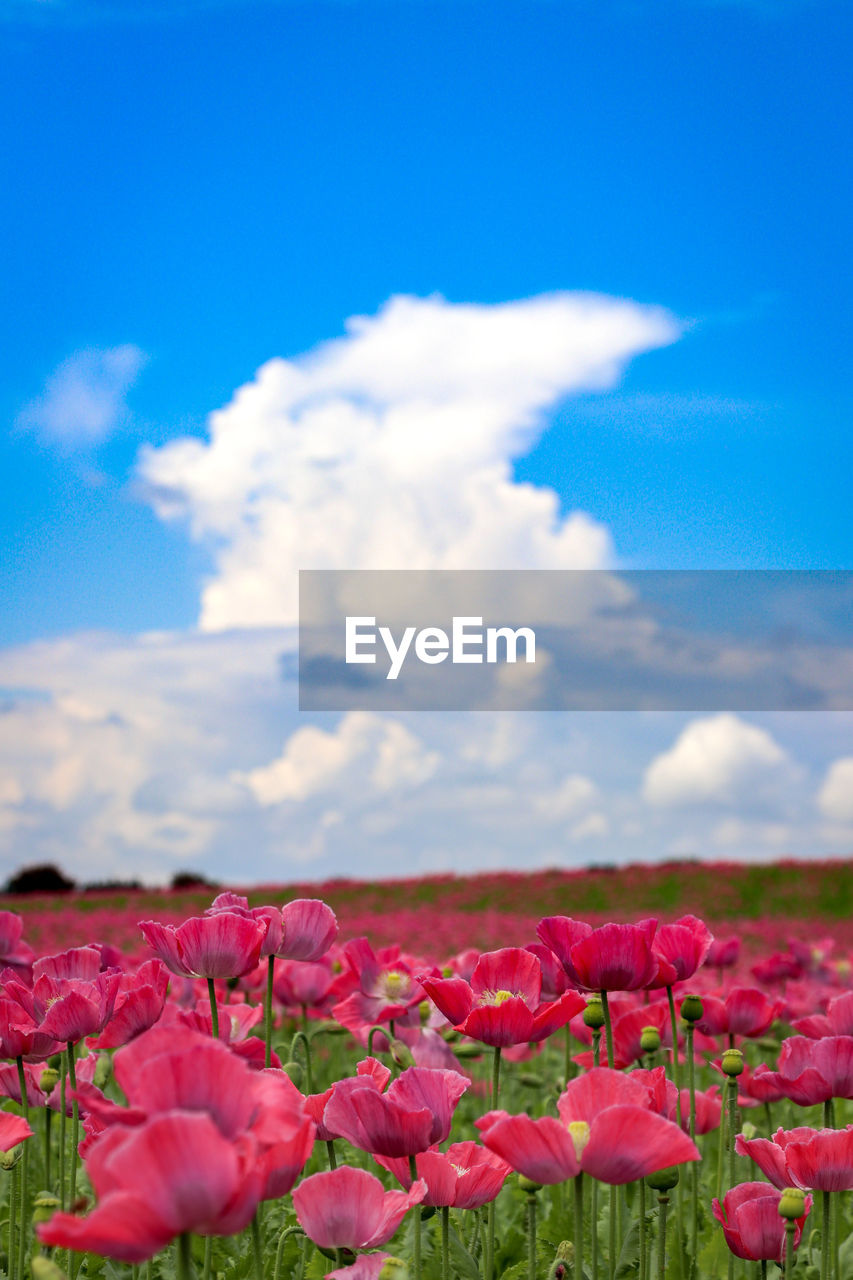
(528, 1185)
(468, 1049)
(732, 1062)
(402, 1054)
(103, 1071)
(394, 1269)
(691, 1008)
(664, 1179)
(295, 1071)
(792, 1203)
(649, 1039)
(8, 1159)
(44, 1207)
(48, 1080)
(43, 1268)
(748, 1130)
(593, 1014)
(530, 1080)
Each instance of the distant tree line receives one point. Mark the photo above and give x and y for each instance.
(46, 877)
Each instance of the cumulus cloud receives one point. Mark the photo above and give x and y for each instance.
(83, 401)
(392, 447)
(717, 760)
(835, 798)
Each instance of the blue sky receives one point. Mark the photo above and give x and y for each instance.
(192, 190)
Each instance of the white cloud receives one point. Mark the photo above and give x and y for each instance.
(83, 401)
(718, 760)
(392, 447)
(364, 751)
(835, 798)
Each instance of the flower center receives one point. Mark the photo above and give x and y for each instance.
(497, 997)
(395, 983)
(579, 1134)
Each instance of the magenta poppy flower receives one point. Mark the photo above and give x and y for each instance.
(723, 953)
(415, 1113)
(616, 957)
(745, 1012)
(223, 945)
(13, 1129)
(377, 988)
(749, 1216)
(684, 946)
(837, 1021)
(66, 1008)
(302, 930)
(304, 984)
(812, 1071)
(465, 1176)
(139, 1004)
(605, 1129)
(502, 1005)
(367, 1266)
(174, 1173)
(15, 954)
(348, 1208)
(769, 1154)
(20, 1033)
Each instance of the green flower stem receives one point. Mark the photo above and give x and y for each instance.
(676, 1067)
(578, 1229)
(283, 1238)
(416, 1260)
(208, 1257)
(214, 1012)
(824, 1235)
(301, 1038)
(614, 1210)
(531, 1237)
(642, 1229)
(48, 1116)
(490, 1230)
(330, 1151)
(63, 1123)
(663, 1201)
(694, 1179)
(596, 1047)
(732, 1129)
(25, 1157)
(268, 1011)
(608, 1028)
(763, 1269)
(184, 1260)
(594, 1222)
(445, 1243)
(75, 1126)
(790, 1228)
(375, 1030)
(12, 1252)
(568, 1070)
(257, 1251)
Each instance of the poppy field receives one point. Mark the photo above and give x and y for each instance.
(644, 1073)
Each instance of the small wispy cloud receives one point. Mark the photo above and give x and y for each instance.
(84, 399)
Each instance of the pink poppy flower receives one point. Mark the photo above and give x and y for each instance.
(684, 946)
(302, 930)
(616, 957)
(223, 945)
(502, 1006)
(139, 1004)
(627, 1033)
(367, 1266)
(13, 1129)
(20, 1033)
(723, 953)
(745, 1012)
(66, 1008)
(749, 1216)
(605, 1129)
(379, 988)
(14, 953)
(172, 1174)
(813, 1159)
(304, 984)
(812, 1071)
(348, 1208)
(465, 1176)
(837, 1021)
(415, 1113)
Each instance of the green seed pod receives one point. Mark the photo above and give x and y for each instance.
(8, 1159)
(664, 1179)
(691, 1008)
(45, 1206)
(394, 1269)
(732, 1062)
(792, 1203)
(468, 1049)
(531, 1080)
(48, 1080)
(649, 1039)
(593, 1014)
(528, 1185)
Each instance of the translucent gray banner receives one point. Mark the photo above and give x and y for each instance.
(674, 640)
